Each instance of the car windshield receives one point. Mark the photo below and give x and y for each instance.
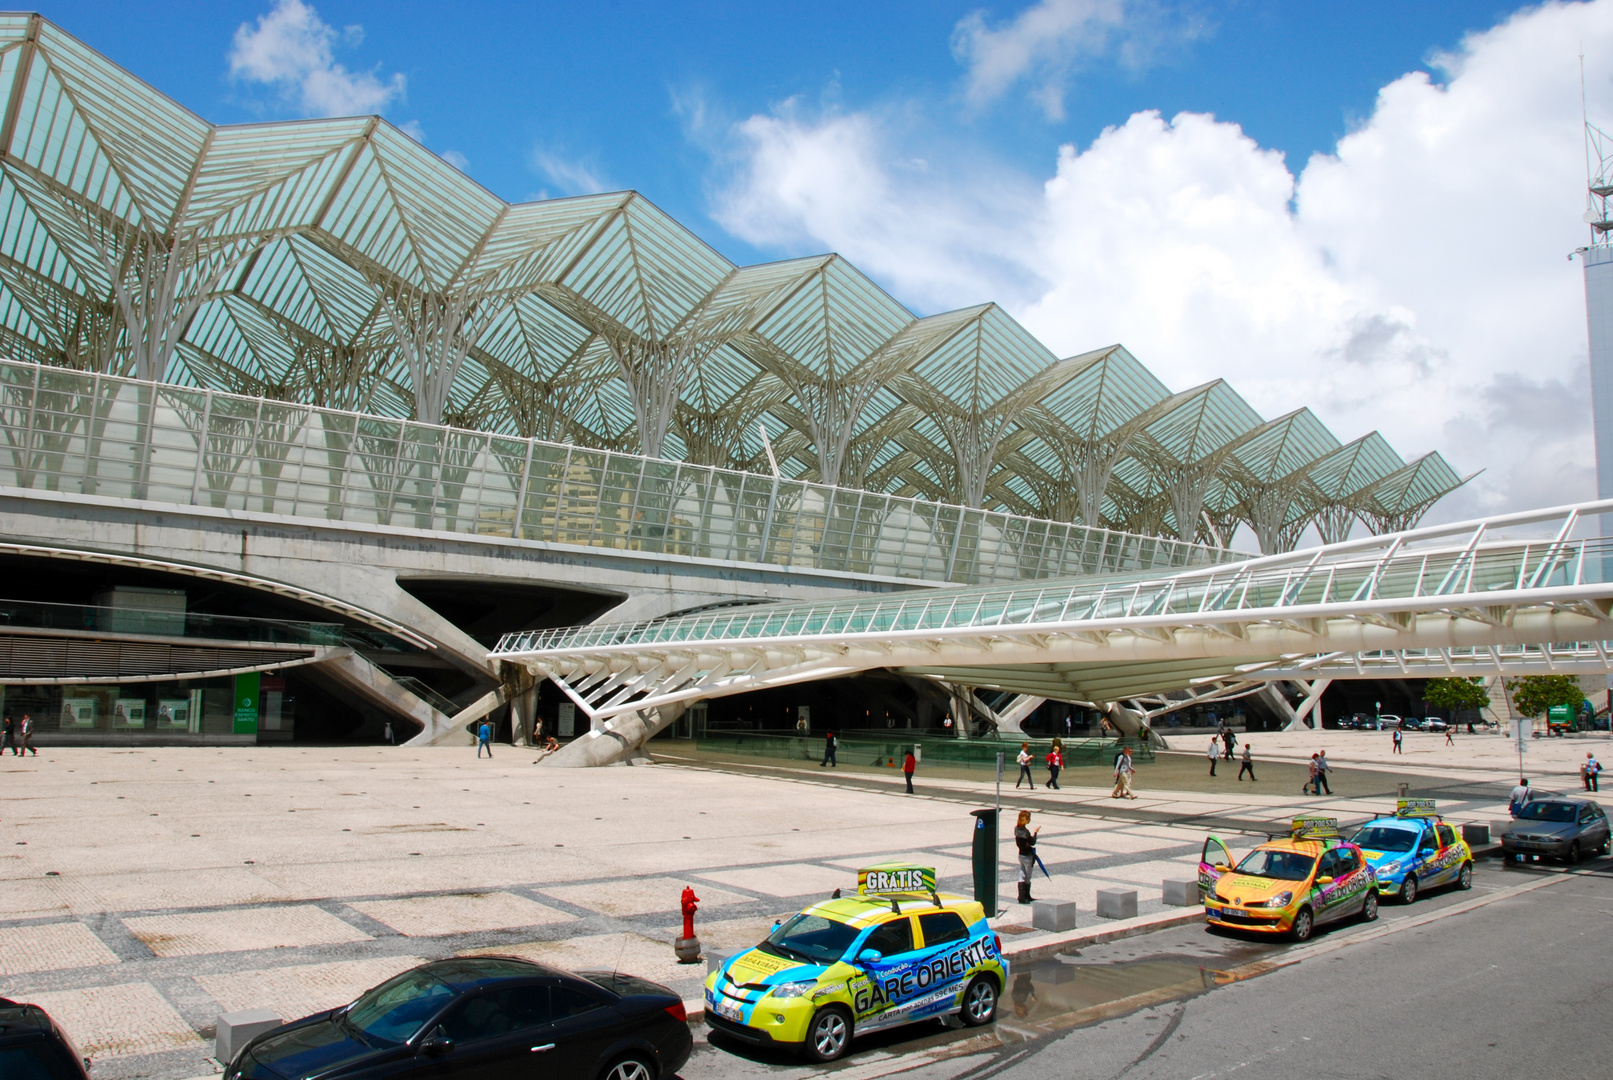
(392, 1012)
(811, 938)
(1548, 811)
(1286, 865)
(1385, 838)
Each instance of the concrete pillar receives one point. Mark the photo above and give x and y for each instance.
(617, 739)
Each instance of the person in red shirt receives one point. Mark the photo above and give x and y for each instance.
(909, 763)
(1055, 762)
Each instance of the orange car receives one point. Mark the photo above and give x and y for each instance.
(1288, 886)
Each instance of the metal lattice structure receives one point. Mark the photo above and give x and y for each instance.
(338, 263)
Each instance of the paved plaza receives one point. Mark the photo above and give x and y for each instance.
(143, 892)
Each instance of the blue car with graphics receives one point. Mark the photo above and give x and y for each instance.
(855, 964)
(1414, 850)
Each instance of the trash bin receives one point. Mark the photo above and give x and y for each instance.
(985, 860)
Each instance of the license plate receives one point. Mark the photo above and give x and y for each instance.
(728, 1012)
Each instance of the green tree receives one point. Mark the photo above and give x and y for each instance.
(1456, 694)
(1534, 694)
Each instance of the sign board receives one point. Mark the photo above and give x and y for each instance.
(174, 713)
(1520, 728)
(1311, 828)
(129, 713)
(568, 719)
(1415, 808)
(246, 703)
(895, 878)
(78, 712)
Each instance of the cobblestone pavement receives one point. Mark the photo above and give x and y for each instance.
(145, 891)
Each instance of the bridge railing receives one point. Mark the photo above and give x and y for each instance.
(86, 433)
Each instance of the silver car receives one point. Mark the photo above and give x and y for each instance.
(1559, 826)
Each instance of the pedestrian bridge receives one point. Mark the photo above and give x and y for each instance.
(1511, 595)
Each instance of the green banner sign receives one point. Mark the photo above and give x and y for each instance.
(246, 703)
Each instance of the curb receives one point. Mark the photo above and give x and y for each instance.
(1044, 945)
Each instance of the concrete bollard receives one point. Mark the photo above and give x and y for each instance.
(1476, 835)
(716, 958)
(237, 1029)
(1055, 915)
(1181, 893)
(1117, 903)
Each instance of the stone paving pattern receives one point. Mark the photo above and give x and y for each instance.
(143, 892)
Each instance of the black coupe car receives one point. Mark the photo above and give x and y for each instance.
(488, 1017)
(32, 1047)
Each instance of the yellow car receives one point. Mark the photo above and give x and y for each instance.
(1288, 886)
(896, 953)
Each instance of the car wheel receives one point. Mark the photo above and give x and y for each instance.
(829, 1036)
(1464, 880)
(1573, 853)
(1304, 923)
(980, 1001)
(1408, 889)
(1369, 906)
(632, 1067)
(1607, 841)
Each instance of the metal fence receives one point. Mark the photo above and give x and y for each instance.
(85, 433)
(860, 748)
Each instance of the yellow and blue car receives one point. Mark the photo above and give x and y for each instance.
(896, 953)
(1288, 886)
(1415, 850)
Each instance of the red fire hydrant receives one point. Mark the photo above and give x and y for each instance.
(687, 947)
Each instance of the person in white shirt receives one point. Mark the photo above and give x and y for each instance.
(1520, 797)
(1025, 760)
(1213, 752)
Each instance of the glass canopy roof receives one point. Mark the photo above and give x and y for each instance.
(340, 263)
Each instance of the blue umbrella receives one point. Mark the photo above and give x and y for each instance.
(1043, 865)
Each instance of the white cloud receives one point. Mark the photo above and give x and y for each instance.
(1414, 281)
(292, 49)
(456, 159)
(571, 176)
(1047, 41)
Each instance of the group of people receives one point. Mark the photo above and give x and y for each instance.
(17, 735)
(1221, 748)
(1125, 769)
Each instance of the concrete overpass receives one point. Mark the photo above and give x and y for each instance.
(1511, 595)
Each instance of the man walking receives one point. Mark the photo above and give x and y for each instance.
(1310, 779)
(1592, 768)
(1231, 741)
(829, 746)
(1024, 760)
(1025, 840)
(1521, 795)
(1055, 762)
(1448, 730)
(1247, 766)
(1124, 771)
(8, 728)
(484, 739)
(1213, 753)
(27, 729)
(909, 763)
(1399, 736)
(1322, 769)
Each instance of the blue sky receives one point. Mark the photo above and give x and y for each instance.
(1363, 208)
(606, 88)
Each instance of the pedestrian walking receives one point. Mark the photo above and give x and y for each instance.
(909, 763)
(1520, 797)
(1399, 736)
(387, 735)
(8, 735)
(1322, 769)
(1055, 762)
(1024, 760)
(1025, 840)
(27, 730)
(1124, 771)
(830, 745)
(1592, 769)
(1213, 753)
(1310, 783)
(1449, 730)
(1231, 739)
(1247, 765)
(484, 739)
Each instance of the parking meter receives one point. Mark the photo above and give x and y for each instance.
(985, 859)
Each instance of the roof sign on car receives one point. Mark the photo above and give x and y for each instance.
(1415, 808)
(1315, 828)
(898, 878)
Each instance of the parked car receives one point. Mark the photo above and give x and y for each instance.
(483, 1016)
(1560, 826)
(1434, 723)
(1384, 722)
(34, 1047)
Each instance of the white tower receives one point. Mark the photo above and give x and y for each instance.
(1598, 257)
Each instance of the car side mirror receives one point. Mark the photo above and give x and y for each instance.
(1223, 867)
(436, 1045)
(1324, 880)
(870, 956)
